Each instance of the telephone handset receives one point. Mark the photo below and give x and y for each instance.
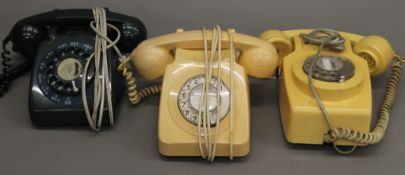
(154, 55)
(325, 86)
(57, 44)
(185, 59)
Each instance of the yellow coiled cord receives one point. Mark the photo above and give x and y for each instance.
(378, 132)
(332, 39)
(134, 95)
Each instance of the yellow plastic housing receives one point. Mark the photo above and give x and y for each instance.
(348, 103)
(280, 40)
(378, 49)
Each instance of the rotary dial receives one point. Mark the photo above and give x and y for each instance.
(330, 68)
(189, 99)
(61, 71)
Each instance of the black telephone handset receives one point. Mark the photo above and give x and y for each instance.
(57, 45)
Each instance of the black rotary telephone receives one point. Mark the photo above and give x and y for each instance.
(56, 45)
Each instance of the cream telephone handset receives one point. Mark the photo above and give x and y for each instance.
(185, 59)
(325, 86)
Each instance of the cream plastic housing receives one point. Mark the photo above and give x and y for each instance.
(177, 136)
(180, 57)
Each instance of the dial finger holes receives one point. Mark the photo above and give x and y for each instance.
(71, 50)
(59, 86)
(79, 51)
(329, 68)
(69, 88)
(52, 81)
(191, 93)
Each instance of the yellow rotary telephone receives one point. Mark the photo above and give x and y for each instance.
(325, 87)
(192, 105)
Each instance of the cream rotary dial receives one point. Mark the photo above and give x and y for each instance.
(190, 95)
(69, 69)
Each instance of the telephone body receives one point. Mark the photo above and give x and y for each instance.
(341, 77)
(179, 58)
(57, 44)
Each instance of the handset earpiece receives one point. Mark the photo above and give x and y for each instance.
(258, 57)
(280, 40)
(131, 35)
(259, 62)
(26, 38)
(151, 60)
(377, 51)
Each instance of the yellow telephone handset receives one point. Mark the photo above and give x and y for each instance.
(203, 72)
(152, 56)
(325, 87)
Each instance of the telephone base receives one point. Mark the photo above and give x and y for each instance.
(303, 122)
(63, 117)
(49, 107)
(178, 136)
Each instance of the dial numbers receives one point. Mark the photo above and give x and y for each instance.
(189, 99)
(61, 72)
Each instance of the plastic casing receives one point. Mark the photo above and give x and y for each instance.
(155, 57)
(348, 103)
(177, 136)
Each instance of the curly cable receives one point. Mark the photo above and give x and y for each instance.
(378, 132)
(134, 95)
(4, 79)
(332, 39)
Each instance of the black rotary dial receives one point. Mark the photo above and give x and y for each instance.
(61, 71)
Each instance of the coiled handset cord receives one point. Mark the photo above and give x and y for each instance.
(134, 95)
(332, 39)
(206, 145)
(102, 84)
(9, 73)
(4, 79)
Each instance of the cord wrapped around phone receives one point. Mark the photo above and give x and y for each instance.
(207, 145)
(332, 39)
(102, 84)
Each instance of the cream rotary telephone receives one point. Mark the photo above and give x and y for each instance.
(204, 110)
(325, 86)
